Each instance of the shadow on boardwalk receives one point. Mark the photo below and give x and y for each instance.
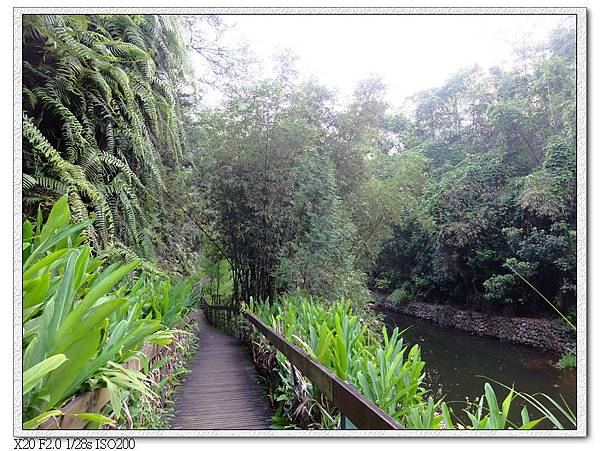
(222, 390)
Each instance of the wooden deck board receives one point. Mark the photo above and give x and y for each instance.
(222, 390)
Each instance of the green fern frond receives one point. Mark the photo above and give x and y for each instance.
(100, 114)
(28, 182)
(116, 249)
(52, 184)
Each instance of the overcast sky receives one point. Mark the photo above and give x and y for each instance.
(411, 52)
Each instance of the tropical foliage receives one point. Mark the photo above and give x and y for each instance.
(131, 180)
(82, 318)
(386, 371)
(101, 119)
(442, 203)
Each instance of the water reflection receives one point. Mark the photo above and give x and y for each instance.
(455, 359)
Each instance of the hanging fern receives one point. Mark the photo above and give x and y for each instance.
(100, 116)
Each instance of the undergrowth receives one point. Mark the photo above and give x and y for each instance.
(165, 373)
(567, 361)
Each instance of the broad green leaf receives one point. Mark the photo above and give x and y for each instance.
(81, 267)
(58, 219)
(53, 240)
(494, 413)
(27, 239)
(34, 374)
(114, 393)
(446, 416)
(44, 262)
(63, 300)
(506, 407)
(35, 422)
(90, 321)
(531, 424)
(95, 417)
(100, 289)
(64, 382)
(35, 290)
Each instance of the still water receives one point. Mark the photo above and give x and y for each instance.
(455, 360)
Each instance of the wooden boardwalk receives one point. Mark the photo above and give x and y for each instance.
(221, 391)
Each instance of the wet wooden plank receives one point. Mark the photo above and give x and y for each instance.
(222, 390)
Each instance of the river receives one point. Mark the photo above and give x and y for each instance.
(455, 359)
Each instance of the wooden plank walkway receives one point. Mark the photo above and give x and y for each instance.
(222, 390)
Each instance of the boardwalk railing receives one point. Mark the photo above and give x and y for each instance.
(352, 404)
(220, 316)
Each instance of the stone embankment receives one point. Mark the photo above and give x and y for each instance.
(550, 335)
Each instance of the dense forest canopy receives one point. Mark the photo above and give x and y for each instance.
(448, 200)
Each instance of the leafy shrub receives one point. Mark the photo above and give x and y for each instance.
(507, 288)
(386, 371)
(568, 360)
(336, 337)
(400, 296)
(78, 324)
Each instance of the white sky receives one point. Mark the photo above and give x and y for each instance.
(410, 52)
